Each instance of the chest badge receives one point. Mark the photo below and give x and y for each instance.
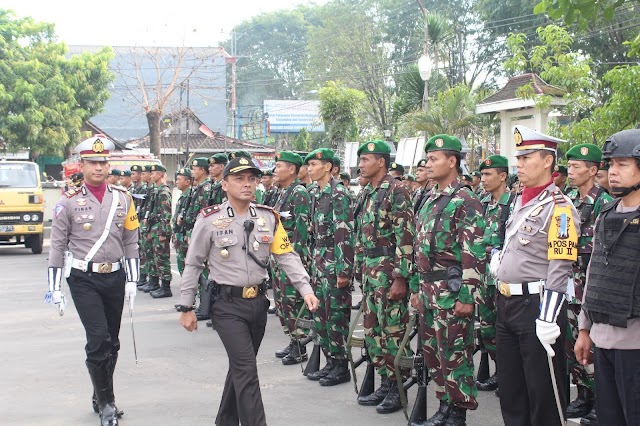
(523, 241)
(81, 202)
(261, 221)
(526, 228)
(265, 238)
(536, 212)
(224, 253)
(86, 227)
(256, 246)
(222, 222)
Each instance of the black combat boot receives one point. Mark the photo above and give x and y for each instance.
(457, 417)
(104, 392)
(356, 307)
(580, 406)
(323, 372)
(297, 355)
(391, 402)
(271, 311)
(440, 417)
(377, 396)
(111, 368)
(154, 284)
(488, 385)
(284, 352)
(590, 419)
(163, 291)
(338, 374)
(143, 281)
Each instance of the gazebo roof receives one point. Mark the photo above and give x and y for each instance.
(507, 98)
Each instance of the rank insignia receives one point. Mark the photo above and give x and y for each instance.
(536, 211)
(543, 195)
(81, 202)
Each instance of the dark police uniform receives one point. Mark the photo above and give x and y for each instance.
(237, 248)
(98, 272)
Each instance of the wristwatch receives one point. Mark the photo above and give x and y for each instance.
(183, 308)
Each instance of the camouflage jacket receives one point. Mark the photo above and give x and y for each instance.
(493, 234)
(199, 199)
(145, 207)
(457, 242)
(180, 205)
(215, 195)
(332, 230)
(386, 226)
(294, 207)
(271, 196)
(589, 209)
(159, 219)
(139, 201)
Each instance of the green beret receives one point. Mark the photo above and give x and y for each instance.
(604, 165)
(136, 168)
(219, 158)
(146, 168)
(494, 162)
(345, 175)
(422, 163)
(320, 154)
(290, 157)
(409, 177)
(238, 154)
(158, 168)
(374, 147)
(336, 162)
(200, 162)
(562, 170)
(126, 173)
(476, 174)
(185, 171)
(585, 152)
(467, 178)
(443, 143)
(114, 172)
(397, 167)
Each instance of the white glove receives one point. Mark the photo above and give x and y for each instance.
(54, 297)
(130, 290)
(547, 333)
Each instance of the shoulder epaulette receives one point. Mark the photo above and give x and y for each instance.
(558, 197)
(208, 211)
(262, 206)
(119, 188)
(71, 192)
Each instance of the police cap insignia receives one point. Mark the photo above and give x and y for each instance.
(195, 163)
(243, 161)
(517, 137)
(98, 146)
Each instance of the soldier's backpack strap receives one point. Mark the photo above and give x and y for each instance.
(505, 210)
(443, 200)
(287, 194)
(585, 213)
(380, 197)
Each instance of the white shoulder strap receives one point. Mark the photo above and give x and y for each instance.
(107, 228)
(513, 231)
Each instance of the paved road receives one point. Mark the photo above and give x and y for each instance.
(180, 375)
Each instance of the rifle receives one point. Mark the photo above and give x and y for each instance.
(154, 192)
(483, 368)
(185, 208)
(368, 382)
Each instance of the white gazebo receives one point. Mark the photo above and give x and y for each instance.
(514, 110)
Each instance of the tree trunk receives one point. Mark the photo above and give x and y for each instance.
(153, 120)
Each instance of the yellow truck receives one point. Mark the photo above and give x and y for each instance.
(21, 205)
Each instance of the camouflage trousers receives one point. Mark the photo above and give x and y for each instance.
(181, 250)
(143, 249)
(487, 314)
(331, 320)
(447, 345)
(159, 262)
(288, 303)
(385, 323)
(580, 375)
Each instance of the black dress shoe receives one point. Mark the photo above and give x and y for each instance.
(377, 396)
(457, 417)
(339, 374)
(582, 405)
(284, 352)
(441, 416)
(488, 385)
(297, 355)
(271, 311)
(323, 372)
(391, 402)
(109, 415)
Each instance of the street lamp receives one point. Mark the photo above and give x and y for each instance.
(425, 66)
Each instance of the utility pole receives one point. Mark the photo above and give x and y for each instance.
(188, 118)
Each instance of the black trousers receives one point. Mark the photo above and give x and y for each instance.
(99, 299)
(526, 391)
(617, 387)
(241, 323)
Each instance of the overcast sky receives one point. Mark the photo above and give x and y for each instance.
(146, 22)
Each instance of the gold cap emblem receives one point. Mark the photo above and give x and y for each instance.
(517, 137)
(98, 146)
(195, 163)
(371, 146)
(439, 143)
(243, 161)
(487, 162)
(584, 150)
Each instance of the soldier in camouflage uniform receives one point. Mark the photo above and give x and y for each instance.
(396, 171)
(146, 193)
(216, 167)
(332, 265)
(422, 193)
(449, 257)
(588, 198)
(183, 183)
(158, 223)
(496, 207)
(125, 180)
(294, 207)
(270, 190)
(384, 242)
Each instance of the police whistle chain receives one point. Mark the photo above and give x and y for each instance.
(248, 227)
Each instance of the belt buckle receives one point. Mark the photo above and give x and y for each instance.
(505, 289)
(104, 268)
(250, 292)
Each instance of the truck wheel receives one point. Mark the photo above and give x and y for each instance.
(36, 243)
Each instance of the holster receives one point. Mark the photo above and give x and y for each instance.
(454, 278)
(207, 296)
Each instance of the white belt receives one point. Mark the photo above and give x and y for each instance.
(100, 268)
(509, 289)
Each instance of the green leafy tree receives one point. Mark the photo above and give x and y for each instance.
(301, 141)
(339, 109)
(45, 96)
(581, 12)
